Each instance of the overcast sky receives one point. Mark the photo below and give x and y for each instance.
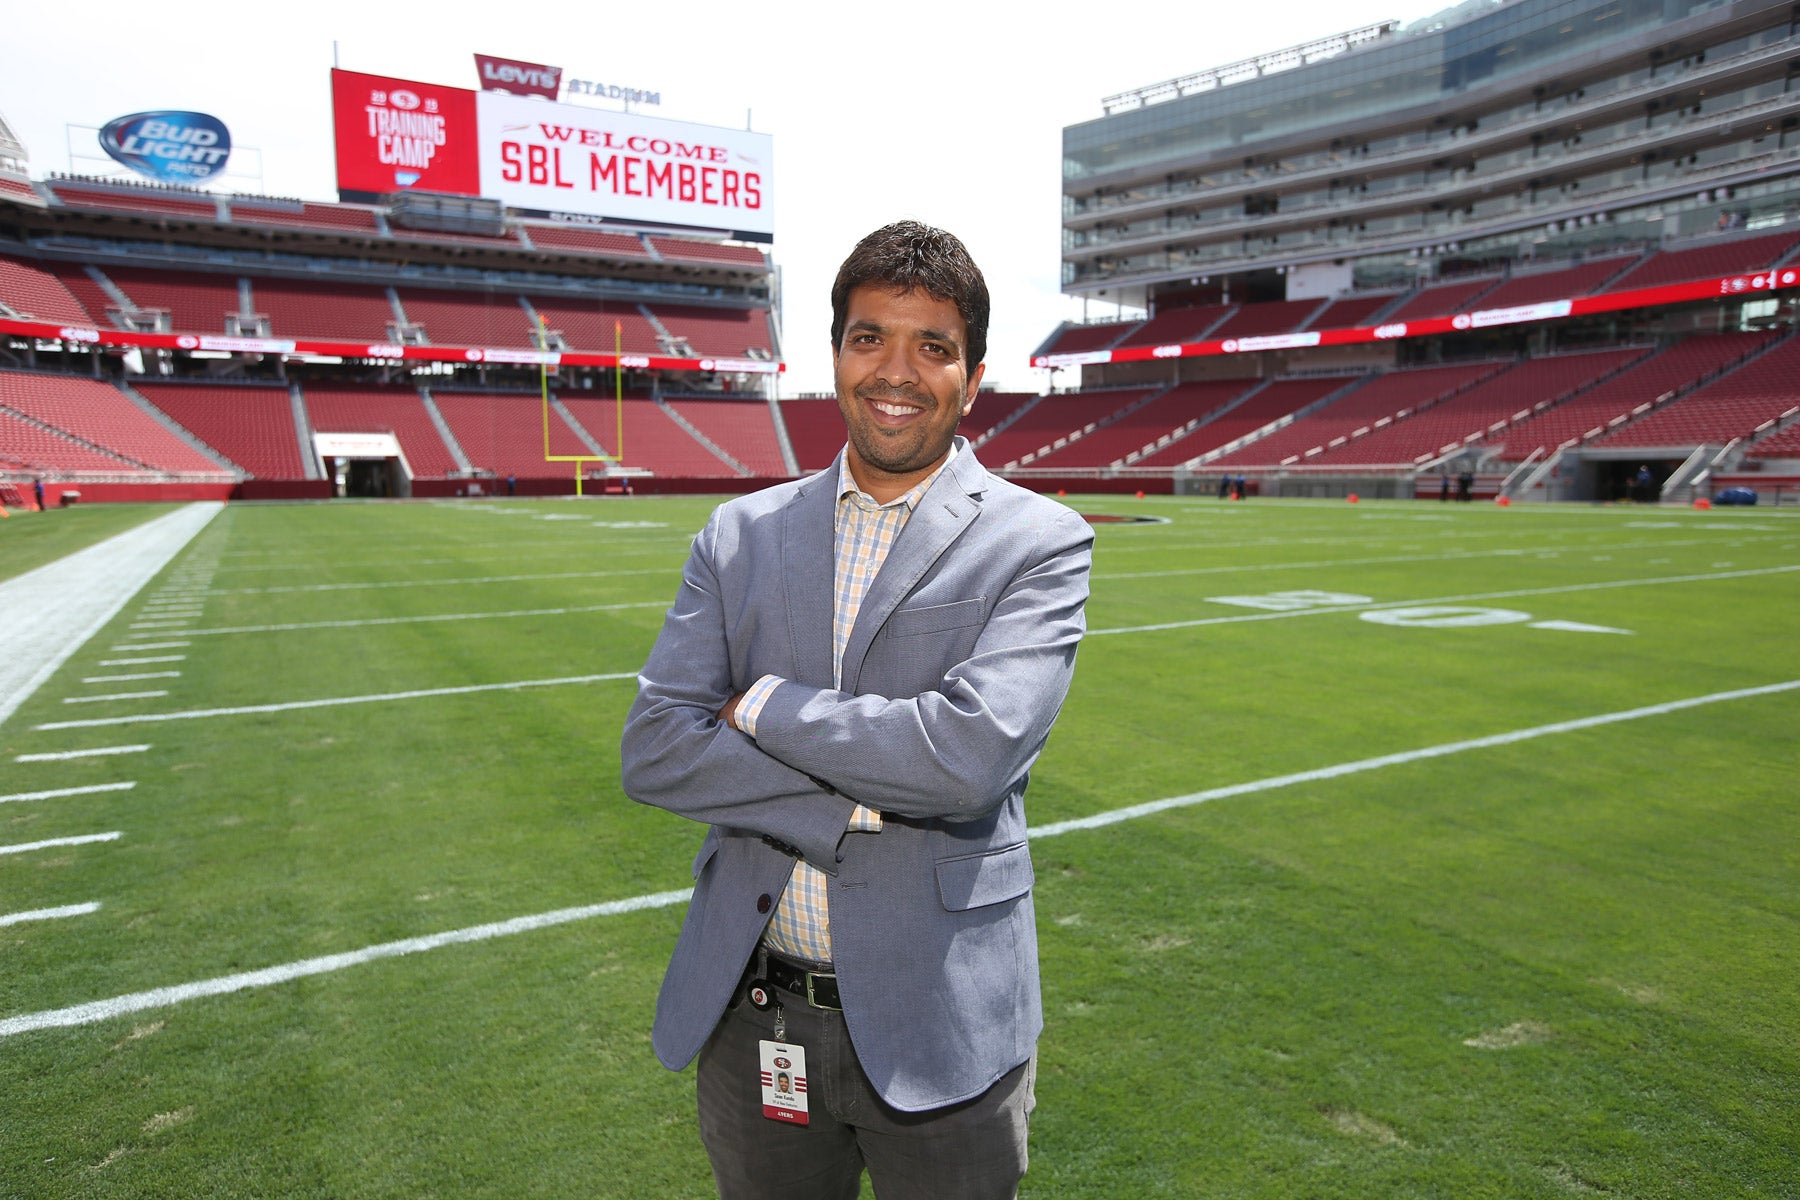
(948, 114)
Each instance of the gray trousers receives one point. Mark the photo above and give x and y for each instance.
(969, 1151)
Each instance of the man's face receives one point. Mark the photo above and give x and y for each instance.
(903, 382)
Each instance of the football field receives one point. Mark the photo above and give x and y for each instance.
(1383, 850)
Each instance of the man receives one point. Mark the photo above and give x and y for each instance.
(855, 678)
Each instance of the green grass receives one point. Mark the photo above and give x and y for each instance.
(1561, 966)
(28, 540)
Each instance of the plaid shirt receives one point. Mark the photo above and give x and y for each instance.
(866, 531)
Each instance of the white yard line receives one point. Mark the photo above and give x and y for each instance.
(136, 646)
(412, 583)
(139, 662)
(150, 695)
(133, 678)
(334, 701)
(53, 611)
(101, 1010)
(65, 755)
(58, 793)
(50, 914)
(85, 839)
(475, 616)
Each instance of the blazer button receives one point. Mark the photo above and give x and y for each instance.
(764, 902)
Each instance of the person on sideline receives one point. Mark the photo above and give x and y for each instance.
(852, 685)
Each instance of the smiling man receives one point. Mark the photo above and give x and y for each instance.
(850, 689)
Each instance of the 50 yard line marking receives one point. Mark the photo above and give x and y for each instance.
(118, 1006)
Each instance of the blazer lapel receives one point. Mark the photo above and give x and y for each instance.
(807, 546)
(943, 513)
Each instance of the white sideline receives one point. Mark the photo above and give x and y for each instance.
(100, 1010)
(53, 611)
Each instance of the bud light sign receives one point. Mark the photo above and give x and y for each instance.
(169, 147)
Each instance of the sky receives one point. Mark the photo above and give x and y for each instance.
(952, 116)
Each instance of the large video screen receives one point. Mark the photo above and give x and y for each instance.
(548, 159)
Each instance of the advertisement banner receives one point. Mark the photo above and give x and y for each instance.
(395, 134)
(519, 78)
(169, 146)
(547, 158)
(563, 158)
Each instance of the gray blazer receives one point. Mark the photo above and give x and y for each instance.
(957, 666)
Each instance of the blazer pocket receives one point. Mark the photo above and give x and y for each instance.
(975, 880)
(935, 618)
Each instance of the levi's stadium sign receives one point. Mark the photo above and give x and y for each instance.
(518, 78)
(545, 158)
(169, 146)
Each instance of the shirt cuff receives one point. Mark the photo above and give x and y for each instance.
(865, 820)
(755, 697)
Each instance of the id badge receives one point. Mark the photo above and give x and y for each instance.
(783, 1082)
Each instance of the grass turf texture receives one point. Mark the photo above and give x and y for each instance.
(1559, 967)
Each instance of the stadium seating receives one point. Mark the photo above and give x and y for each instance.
(196, 303)
(1176, 326)
(34, 292)
(469, 319)
(81, 285)
(744, 429)
(193, 205)
(1281, 397)
(1444, 299)
(251, 426)
(1387, 398)
(1079, 339)
(991, 410)
(684, 249)
(721, 332)
(1732, 406)
(18, 189)
(1781, 443)
(503, 432)
(1351, 312)
(1541, 286)
(588, 325)
(306, 215)
(336, 408)
(1256, 320)
(99, 414)
(1168, 413)
(815, 430)
(341, 312)
(1704, 262)
(1677, 368)
(586, 241)
(1476, 410)
(1067, 417)
(652, 439)
(31, 447)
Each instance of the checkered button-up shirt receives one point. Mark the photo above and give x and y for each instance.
(865, 532)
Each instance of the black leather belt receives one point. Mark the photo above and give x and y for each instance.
(817, 988)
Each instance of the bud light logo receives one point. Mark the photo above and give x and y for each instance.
(169, 147)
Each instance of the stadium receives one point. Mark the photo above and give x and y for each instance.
(1386, 846)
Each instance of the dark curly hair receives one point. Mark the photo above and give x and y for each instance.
(908, 255)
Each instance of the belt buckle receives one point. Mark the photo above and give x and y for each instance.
(811, 976)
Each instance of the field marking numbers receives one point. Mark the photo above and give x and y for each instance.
(100, 1010)
(58, 793)
(132, 678)
(64, 755)
(1560, 589)
(50, 843)
(50, 914)
(1450, 617)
